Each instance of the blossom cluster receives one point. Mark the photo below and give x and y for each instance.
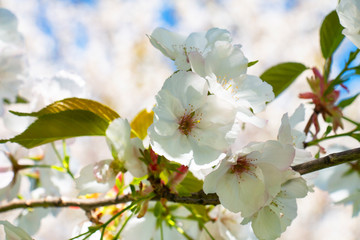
(196, 120)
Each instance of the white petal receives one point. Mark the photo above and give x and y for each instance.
(301, 156)
(204, 155)
(243, 193)
(169, 107)
(132, 163)
(196, 42)
(294, 188)
(226, 60)
(298, 116)
(175, 147)
(164, 40)
(266, 224)
(118, 135)
(255, 91)
(349, 16)
(188, 87)
(211, 180)
(273, 178)
(285, 135)
(87, 183)
(286, 209)
(14, 233)
(217, 34)
(270, 154)
(197, 63)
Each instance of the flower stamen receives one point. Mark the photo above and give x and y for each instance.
(242, 165)
(187, 122)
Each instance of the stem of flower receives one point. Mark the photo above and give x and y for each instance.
(316, 141)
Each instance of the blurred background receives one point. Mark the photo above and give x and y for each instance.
(104, 42)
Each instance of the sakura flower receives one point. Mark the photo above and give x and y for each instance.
(349, 16)
(189, 123)
(226, 226)
(152, 226)
(287, 131)
(288, 134)
(341, 181)
(124, 149)
(11, 73)
(96, 178)
(12, 60)
(177, 47)
(249, 179)
(14, 233)
(248, 93)
(224, 59)
(225, 66)
(100, 177)
(8, 28)
(42, 91)
(273, 219)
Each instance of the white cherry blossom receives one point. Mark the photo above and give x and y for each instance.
(349, 16)
(189, 123)
(273, 219)
(124, 148)
(14, 233)
(12, 60)
(178, 47)
(226, 226)
(223, 64)
(249, 179)
(96, 178)
(288, 134)
(225, 67)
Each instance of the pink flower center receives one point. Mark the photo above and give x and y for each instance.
(187, 122)
(242, 165)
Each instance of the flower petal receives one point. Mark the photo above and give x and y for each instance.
(164, 40)
(266, 224)
(244, 193)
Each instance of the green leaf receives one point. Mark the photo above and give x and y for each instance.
(252, 63)
(282, 75)
(71, 117)
(61, 125)
(198, 211)
(75, 104)
(346, 102)
(189, 185)
(141, 123)
(356, 136)
(330, 34)
(158, 209)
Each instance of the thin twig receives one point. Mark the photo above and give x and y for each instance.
(195, 198)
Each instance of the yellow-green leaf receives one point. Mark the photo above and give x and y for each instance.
(282, 75)
(75, 104)
(141, 123)
(71, 117)
(189, 185)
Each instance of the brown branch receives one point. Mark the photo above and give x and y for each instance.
(85, 204)
(195, 198)
(328, 161)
